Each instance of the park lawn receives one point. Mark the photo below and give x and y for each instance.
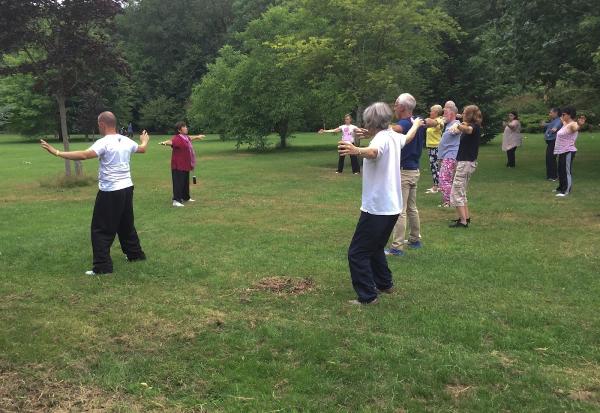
(500, 317)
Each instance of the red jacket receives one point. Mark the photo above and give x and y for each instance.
(182, 158)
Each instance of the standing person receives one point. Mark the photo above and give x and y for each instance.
(566, 150)
(113, 211)
(409, 171)
(347, 130)
(466, 158)
(447, 151)
(381, 202)
(130, 130)
(550, 130)
(512, 138)
(435, 126)
(183, 160)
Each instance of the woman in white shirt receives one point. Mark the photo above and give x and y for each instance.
(347, 130)
(381, 202)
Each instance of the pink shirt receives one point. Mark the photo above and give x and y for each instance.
(565, 141)
(347, 132)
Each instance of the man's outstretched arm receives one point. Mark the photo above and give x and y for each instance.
(72, 155)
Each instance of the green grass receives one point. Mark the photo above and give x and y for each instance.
(500, 317)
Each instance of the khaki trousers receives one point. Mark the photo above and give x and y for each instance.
(409, 209)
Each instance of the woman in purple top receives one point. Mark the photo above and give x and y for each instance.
(347, 130)
(566, 150)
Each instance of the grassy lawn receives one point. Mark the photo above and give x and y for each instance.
(503, 316)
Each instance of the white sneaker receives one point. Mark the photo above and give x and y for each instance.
(90, 272)
(177, 204)
(561, 195)
(191, 200)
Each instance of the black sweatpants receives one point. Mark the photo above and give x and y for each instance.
(510, 156)
(113, 215)
(353, 161)
(551, 167)
(181, 185)
(366, 256)
(565, 169)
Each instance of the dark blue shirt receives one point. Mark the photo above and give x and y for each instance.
(411, 152)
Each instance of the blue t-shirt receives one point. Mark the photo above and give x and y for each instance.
(548, 134)
(411, 152)
(448, 147)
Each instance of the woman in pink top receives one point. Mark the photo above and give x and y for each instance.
(347, 130)
(565, 149)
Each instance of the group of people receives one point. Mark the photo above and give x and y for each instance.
(560, 134)
(390, 178)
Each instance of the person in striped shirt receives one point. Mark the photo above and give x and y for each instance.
(566, 150)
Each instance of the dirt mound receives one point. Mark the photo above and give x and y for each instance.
(285, 285)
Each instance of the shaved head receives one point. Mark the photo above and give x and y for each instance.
(108, 118)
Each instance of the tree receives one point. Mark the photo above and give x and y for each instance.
(160, 114)
(63, 44)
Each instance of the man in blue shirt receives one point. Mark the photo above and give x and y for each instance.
(550, 129)
(409, 174)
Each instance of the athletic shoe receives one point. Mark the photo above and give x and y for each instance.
(90, 272)
(390, 290)
(356, 302)
(356, 173)
(415, 245)
(395, 252)
(191, 200)
(458, 220)
(458, 224)
(432, 191)
(337, 172)
(444, 206)
(561, 195)
(177, 204)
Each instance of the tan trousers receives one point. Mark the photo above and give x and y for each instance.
(409, 209)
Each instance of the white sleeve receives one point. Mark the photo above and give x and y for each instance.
(381, 144)
(401, 137)
(134, 146)
(98, 147)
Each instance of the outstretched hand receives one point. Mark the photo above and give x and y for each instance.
(418, 121)
(581, 120)
(144, 137)
(347, 148)
(361, 133)
(48, 147)
(321, 131)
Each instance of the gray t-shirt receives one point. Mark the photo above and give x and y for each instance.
(114, 153)
(448, 147)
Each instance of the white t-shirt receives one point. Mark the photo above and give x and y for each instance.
(382, 190)
(114, 153)
(347, 132)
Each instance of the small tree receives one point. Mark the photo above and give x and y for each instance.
(63, 44)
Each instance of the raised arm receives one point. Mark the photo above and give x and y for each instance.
(72, 155)
(336, 130)
(144, 139)
(197, 137)
(465, 128)
(412, 132)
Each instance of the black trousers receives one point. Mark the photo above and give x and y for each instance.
(366, 256)
(113, 215)
(565, 169)
(181, 185)
(551, 166)
(353, 161)
(510, 155)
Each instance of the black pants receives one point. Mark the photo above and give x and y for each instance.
(366, 256)
(510, 155)
(565, 169)
(551, 167)
(353, 161)
(113, 214)
(181, 185)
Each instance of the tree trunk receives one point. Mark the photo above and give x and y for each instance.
(283, 131)
(63, 129)
(359, 114)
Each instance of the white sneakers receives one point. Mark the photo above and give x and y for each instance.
(191, 200)
(177, 204)
(561, 195)
(90, 272)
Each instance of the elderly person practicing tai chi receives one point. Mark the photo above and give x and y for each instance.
(113, 211)
(183, 161)
(512, 138)
(381, 201)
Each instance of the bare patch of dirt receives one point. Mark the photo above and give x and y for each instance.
(40, 392)
(458, 391)
(284, 285)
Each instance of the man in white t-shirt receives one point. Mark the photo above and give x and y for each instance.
(381, 202)
(113, 211)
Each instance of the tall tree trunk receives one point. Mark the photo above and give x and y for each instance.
(283, 131)
(62, 110)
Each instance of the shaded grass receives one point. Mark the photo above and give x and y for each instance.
(502, 317)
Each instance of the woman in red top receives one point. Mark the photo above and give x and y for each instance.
(183, 160)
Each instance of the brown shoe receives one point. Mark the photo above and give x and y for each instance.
(390, 290)
(356, 302)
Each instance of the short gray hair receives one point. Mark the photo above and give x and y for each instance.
(451, 106)
(378, 116)
(407, 100)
